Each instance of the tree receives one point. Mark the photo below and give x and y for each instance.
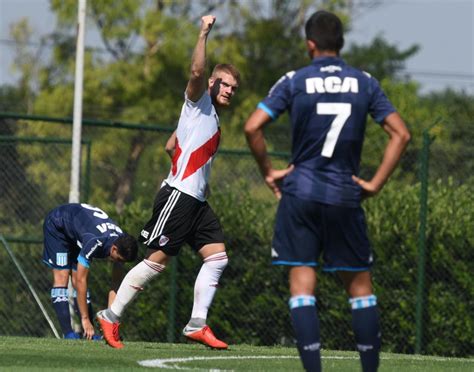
(140, 73)
(380, 59)
(14, 184)
(130, 82)
(452, 152)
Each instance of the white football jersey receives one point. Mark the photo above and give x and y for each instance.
(197, 140)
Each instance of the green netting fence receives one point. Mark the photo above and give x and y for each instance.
(420, 227)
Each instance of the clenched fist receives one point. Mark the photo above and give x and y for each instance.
(206, 23)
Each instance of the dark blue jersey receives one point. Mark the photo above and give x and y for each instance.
(328, 102)
(86, 227)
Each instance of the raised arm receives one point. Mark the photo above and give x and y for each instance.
(197, 81)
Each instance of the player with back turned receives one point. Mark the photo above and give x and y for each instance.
(319, 213)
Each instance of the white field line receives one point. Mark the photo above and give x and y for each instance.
(167, 363)
(171, 363)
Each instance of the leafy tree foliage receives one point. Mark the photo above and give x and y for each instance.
(380, 59)
(141, 72)
(453, 150)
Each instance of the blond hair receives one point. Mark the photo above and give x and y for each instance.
(227, 68)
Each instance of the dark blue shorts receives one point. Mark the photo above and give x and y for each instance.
(306, 229)
(58, 252)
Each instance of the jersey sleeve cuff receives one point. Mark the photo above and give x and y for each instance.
(83, 261)
(265, 108)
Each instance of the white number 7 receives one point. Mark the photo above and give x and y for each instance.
(342, 112)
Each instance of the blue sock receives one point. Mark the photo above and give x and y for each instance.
(59, 298)
(306, 326)
(366, 327)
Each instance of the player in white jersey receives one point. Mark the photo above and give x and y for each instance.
(181, 213)
(193, 147)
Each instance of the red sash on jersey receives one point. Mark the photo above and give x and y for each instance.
(198, 157)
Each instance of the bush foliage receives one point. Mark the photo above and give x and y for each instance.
(251, 305)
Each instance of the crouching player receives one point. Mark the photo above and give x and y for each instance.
(75, 234)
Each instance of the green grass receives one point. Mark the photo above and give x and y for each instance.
(33, 354)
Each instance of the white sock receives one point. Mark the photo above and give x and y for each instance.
(133, 283)
(206, 283)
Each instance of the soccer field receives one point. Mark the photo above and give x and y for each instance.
(18, 353)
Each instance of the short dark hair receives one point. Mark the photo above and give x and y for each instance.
(326, 30)
(127, 247)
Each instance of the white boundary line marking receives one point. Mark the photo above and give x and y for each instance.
(166, 363)
(171, 363)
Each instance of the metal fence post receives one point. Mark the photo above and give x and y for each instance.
(424, 163)
(87, 177)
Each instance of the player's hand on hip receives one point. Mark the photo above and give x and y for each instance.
(368, 188)
(207, 22)
(274, 178)
(88, 328)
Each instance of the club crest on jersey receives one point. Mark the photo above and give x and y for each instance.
(163, 240)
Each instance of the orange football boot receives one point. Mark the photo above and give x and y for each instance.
(205, 336)
(110, 331)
